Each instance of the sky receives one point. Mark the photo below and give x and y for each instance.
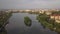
(29, 4)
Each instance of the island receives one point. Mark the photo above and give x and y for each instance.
(27, 21)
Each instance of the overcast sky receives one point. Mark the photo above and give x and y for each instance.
(29, 4)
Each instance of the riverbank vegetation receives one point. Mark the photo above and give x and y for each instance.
(27, 21)
(48, 23)
(56, 12)
(4, 17)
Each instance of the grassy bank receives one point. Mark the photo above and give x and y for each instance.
(48, 23)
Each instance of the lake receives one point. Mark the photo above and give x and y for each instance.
(16, 25)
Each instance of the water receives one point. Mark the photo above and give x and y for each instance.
(16, 25)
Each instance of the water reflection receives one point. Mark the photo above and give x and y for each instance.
(2, 28)
(3, 31)
(28, 24)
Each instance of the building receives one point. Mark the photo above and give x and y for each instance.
(56, 17)
(48, 12)
(27, 10)
(41, 11)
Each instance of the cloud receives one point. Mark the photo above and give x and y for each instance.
(18, 4)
